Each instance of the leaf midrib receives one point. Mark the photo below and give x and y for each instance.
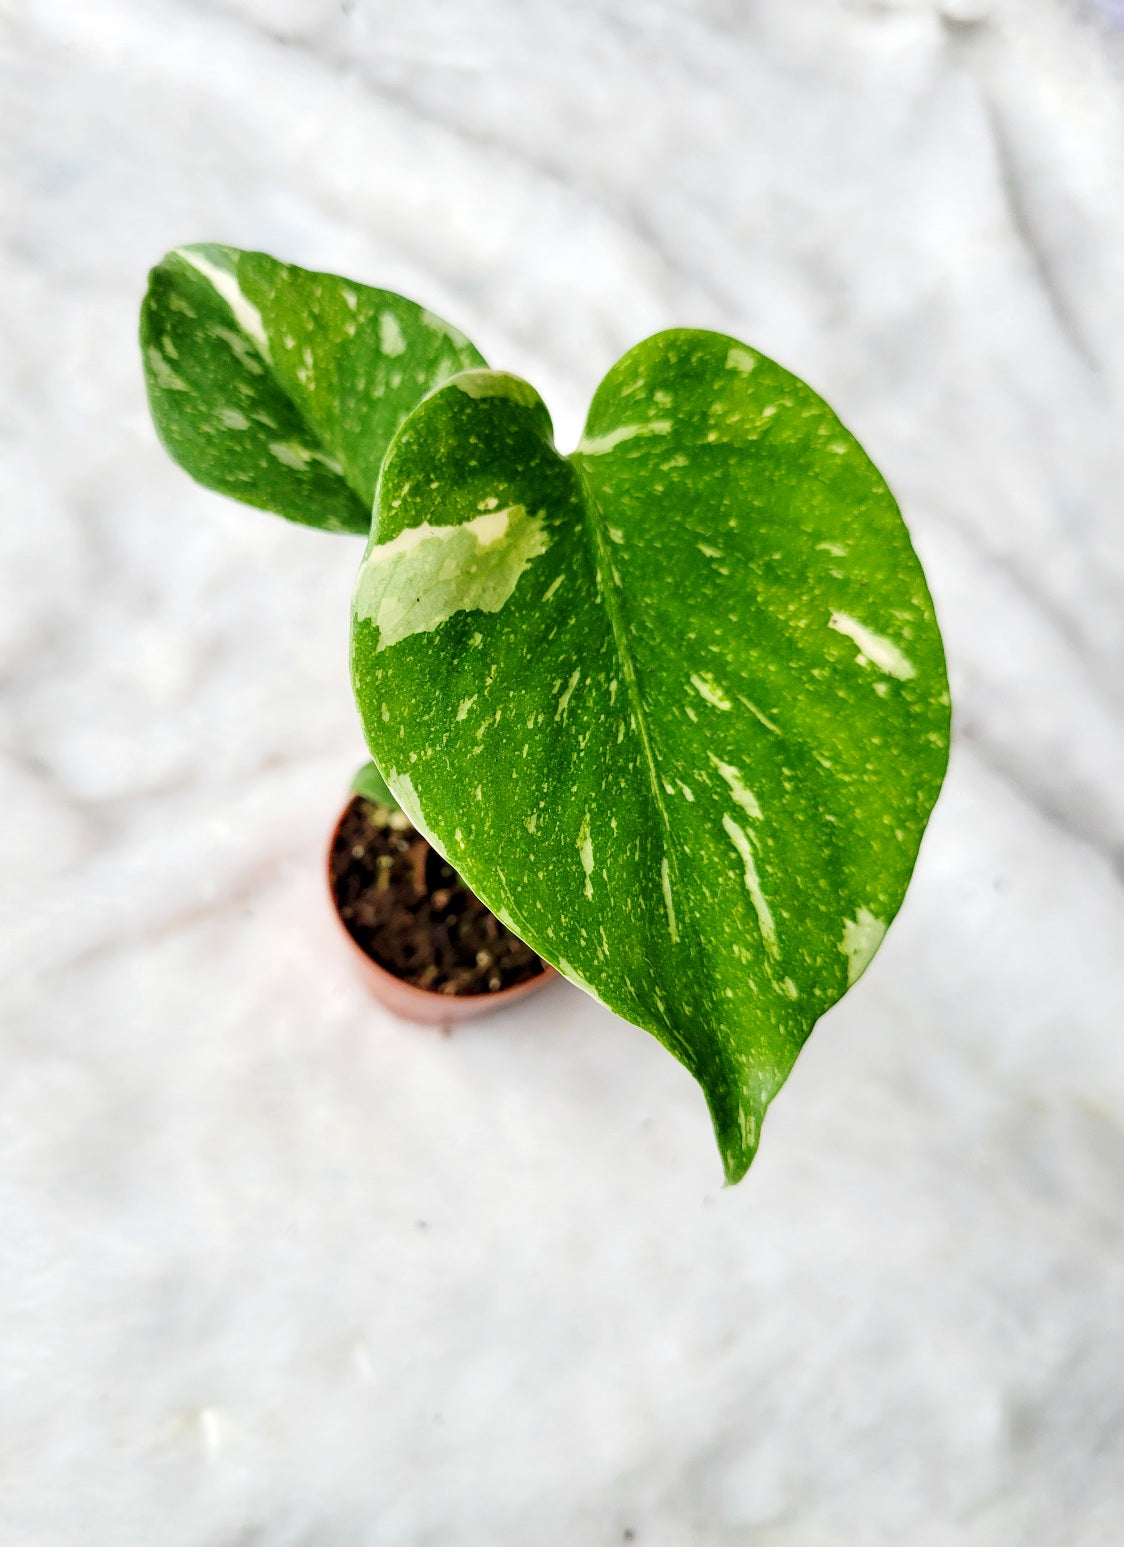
(603, 570)
(592, 518)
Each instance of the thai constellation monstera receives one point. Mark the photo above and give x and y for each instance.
(674, 705)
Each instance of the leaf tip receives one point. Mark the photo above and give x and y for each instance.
(738, 1149)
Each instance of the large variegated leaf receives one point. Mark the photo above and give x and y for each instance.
(283, 387)
(675, 706)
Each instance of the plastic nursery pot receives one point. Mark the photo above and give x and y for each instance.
(434, 890)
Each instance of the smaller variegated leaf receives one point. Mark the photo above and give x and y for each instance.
(674, 706)
(283, 387)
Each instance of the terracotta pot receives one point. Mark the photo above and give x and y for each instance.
(422, 1005)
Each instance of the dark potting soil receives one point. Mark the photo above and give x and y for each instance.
(413, 914)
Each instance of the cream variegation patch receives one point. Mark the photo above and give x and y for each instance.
(420, 578)
(862, 936)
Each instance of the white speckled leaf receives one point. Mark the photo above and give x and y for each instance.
(675, 706)
(283, 387)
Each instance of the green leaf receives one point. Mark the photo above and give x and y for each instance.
(674, 706)
(369, 783)
(283, 387)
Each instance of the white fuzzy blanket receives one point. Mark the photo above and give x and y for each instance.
(276, 1271)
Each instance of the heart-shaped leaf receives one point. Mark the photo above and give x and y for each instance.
(283, 387)
(675, 706)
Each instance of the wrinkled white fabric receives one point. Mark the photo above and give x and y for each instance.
(277, 1269)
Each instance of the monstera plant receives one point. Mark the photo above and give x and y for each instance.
(674, 705)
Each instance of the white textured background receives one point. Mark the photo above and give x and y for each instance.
(277, 1271)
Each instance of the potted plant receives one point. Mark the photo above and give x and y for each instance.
(426, 945)
(673, 706)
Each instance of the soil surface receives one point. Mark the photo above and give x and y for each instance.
(411, 912)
